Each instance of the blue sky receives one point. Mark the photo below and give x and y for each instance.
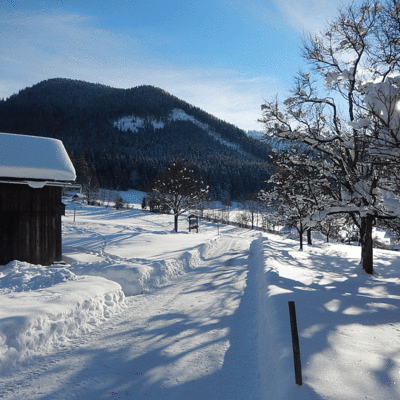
(224, 56)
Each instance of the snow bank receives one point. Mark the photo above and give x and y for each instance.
(163, 271)
(128, 274)
(131, 247)
(275, 354)
(137, 276)
(43, 307)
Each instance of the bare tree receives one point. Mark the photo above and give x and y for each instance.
(295, 189)
(354, 122)
(179, 189)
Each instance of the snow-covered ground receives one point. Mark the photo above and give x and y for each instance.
(139, 311)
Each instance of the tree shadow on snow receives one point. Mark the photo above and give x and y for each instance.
(337, 304)
(171, 346)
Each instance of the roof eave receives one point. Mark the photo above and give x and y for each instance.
(37, 184)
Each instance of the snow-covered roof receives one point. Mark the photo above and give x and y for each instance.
(32, 157)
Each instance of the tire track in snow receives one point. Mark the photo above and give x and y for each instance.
(191, 338)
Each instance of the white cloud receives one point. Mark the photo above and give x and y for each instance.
(258, 13)
(309, 15)
(303, 16)
(223, 93)
(38, 46)
(229, 96)
(56, 41)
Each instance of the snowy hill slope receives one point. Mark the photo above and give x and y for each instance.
(133, 123)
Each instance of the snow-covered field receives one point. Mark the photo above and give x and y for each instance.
(139, 311)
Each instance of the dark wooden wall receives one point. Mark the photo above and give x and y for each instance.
(30, 224)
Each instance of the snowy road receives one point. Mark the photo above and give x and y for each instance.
(193, 338)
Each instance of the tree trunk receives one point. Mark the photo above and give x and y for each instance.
(367, 244)
(301, 239)
(300, 230)
(328, 231)
(176, 222)
(309, 240)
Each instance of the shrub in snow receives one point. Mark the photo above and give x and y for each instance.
(120, 203)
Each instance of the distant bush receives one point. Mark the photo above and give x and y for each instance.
(120, 203)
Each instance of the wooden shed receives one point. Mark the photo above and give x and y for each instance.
(33, 172)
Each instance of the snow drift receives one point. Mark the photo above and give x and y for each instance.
(43, 307)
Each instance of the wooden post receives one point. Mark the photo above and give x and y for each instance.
(295, 342)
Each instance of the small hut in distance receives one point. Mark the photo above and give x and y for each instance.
(33, 172)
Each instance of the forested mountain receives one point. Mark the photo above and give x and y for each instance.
(123, 137)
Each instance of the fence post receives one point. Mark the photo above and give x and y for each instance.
(295, 343)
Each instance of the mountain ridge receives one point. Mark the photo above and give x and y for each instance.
(84, 115)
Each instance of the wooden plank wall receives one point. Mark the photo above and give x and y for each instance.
(30, 224)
